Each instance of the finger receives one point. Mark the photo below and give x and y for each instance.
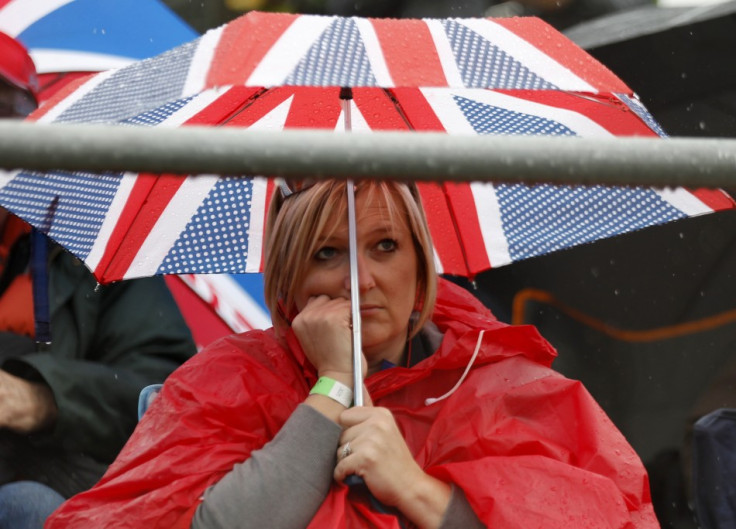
(342, 470)
(347, 466)
(344, 466)
(374, 415)
(344, 450)
(354, 416)
(324, 299)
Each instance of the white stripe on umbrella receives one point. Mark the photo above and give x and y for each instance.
(684, 201)
(288, 50)
(171, 223)
(437, 261)
(450, 115)
(7, 176)
(535, 61)
(276, 118)
(201, 62)
(489, 217)
(115, 209)
(257, 223)
(444, 52)
(455, 122)
(374, 52)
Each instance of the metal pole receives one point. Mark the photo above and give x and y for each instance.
(417, 156)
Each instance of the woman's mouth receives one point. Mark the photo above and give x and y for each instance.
(367, 310)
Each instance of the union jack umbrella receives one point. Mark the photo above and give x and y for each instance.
(276, 71)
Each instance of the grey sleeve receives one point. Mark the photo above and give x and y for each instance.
(459, 513)
(282, 484)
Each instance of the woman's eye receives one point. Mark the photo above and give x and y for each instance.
(326, 253)
(387, 245)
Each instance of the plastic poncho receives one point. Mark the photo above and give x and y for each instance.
(528, 447)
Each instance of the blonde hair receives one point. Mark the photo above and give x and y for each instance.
(295, 224)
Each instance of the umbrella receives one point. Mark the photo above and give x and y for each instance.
(70, 38)
(673, 58)
(274, 71)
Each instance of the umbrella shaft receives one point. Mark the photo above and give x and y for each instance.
(355, 298)
(346, 95)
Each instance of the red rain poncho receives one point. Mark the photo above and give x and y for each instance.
(528, 447)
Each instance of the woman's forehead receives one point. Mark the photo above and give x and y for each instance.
(375, 211)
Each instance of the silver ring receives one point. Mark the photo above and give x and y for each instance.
(346, 450)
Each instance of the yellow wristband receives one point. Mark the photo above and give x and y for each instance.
(337, 391)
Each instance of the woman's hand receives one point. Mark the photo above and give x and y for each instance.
(323, 330)
(378, 454)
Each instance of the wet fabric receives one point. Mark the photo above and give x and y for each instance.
(527, 446)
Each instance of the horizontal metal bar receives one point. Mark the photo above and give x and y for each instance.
(399, 155)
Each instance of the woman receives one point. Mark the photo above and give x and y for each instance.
(466, 424)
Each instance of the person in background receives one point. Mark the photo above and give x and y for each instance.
(67, 408)
(464, 424)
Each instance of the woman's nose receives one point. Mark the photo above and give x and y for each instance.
(365, 275)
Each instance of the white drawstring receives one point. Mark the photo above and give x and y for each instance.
(430, 401)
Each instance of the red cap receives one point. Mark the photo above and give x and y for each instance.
(16, 66)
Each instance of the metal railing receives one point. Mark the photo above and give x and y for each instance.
(633, 161)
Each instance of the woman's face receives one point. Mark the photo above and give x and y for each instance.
(387, 275)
